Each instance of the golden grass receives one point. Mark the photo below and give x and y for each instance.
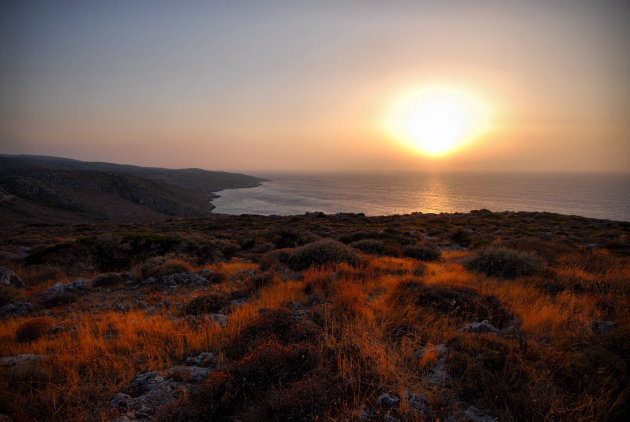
(98, 354)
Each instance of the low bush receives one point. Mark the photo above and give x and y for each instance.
(322, 252)
(369, 246)
(10, 294)
(274, 259)
(245, 389)
(305, 400)
(33, 329)
(108, 280)
(488, 371)
(457, 302)
(159, 267)
(206, 304)
(278, 324)
(504, 263)
(422, 252)
(601, 370)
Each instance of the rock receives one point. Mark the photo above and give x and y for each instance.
(592, 246)
(18, 360)
(239, 302)
(366, 413)
(60, 294)
(483, 327)
(152, 390)
(387, 400)
(221, 319)
(120, 401)
(472, 414)
(204, 359)
(440, 351)
(9, 278)
(602, 327)
(419, 404)
(179, 279)
(56, 330)
(438, 376)
(16, 309)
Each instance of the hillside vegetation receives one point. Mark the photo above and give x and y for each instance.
(35, 189)
(456, 317)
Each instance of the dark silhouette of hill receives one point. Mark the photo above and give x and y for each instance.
(39, 189)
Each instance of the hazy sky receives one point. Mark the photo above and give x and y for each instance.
(291, 85)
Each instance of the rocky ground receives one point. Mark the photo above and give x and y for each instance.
(479, 317)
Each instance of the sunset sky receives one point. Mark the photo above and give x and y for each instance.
(291, 85)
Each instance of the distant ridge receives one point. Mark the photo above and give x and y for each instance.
(50, 190)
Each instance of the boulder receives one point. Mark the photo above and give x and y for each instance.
(16, 309)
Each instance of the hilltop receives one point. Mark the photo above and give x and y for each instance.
(479, 316)
(38, 189)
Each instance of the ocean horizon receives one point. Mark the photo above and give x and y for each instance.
(605, 196)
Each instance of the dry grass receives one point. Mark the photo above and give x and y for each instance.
(323, 341)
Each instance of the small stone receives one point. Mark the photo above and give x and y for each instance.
(9, 278)
(56, 330)
(120, 401)
(387, 400)
(602, 327)
(418, 403)
(483, 327)
(18, 360)
(472, 414)
(366, 413)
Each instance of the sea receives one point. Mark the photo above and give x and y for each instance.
(605, 196)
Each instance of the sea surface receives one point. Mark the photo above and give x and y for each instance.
(590, 195)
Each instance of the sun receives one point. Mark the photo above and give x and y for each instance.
(437, 121)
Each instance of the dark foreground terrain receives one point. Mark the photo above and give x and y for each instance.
(38, 189)
(479, 317)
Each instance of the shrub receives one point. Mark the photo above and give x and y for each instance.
(422, 252)
(459, 302)
(305, 400)
(241, 387)
(488, 371)
(289, 239)
(321, 253)
(601, 370)
(462, 237)
(215, 277)
(33, 329)
(274, 259)
(370, 246)
(159, 267)
(206, 304)
(107, 280)
(10, 294)
(504, 263)
(277, 324)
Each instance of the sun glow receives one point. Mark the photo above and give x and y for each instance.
(437, 121)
